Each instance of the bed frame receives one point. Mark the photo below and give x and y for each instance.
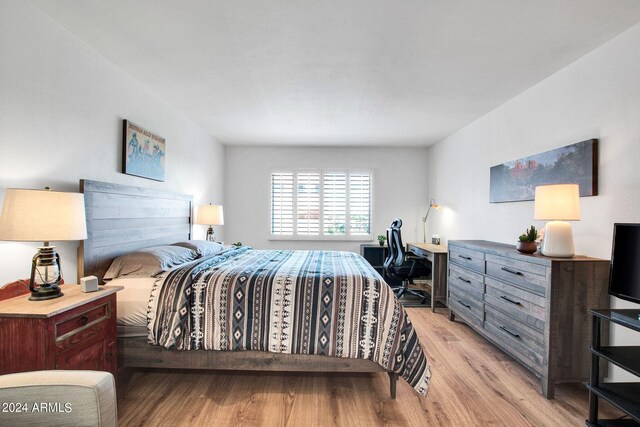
(122, 218)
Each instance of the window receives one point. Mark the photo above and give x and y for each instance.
(321, 204)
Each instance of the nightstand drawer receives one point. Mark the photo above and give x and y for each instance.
(89, 353)
(82, 321)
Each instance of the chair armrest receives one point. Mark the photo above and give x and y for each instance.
(413, 266)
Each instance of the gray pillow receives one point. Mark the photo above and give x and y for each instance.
(149, 262)
(202, 247)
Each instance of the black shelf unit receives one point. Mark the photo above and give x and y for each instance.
(375, 255)
(624, 396)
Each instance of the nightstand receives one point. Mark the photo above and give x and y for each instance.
(75, 331)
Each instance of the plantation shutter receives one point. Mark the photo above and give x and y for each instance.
(282, 203)
(359, 204)
(308, 205)
(327, 204)
(334, 191)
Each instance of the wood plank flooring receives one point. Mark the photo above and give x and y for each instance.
(474, 384)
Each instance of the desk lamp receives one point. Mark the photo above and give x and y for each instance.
(557, 204)
(210, 215)
(434, 205)
(43, 216)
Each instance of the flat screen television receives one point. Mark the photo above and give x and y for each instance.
(624, 280)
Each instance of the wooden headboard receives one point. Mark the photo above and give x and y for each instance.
(123, 218)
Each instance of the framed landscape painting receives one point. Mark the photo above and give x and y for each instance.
(143, 152)
(573, 164)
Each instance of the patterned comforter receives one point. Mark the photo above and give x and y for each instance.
(304, 302)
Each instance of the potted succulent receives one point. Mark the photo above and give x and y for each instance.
(527, 241)
(381, 239)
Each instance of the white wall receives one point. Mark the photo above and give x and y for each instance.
(399, 189)
(61, 111)
(596, 97)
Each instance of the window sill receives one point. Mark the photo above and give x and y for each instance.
(324, 238)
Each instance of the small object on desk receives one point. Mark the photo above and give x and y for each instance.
(435, 239)
(89, 284)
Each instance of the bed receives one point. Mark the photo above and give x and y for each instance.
(329, 308)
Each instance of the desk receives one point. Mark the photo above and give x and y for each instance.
(437, 255)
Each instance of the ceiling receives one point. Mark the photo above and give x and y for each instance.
(336, 72)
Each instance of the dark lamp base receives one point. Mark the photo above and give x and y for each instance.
(45, 294)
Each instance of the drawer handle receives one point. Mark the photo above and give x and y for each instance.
(464, 280)
(464, 303)
(504, 328)
(468, 258)
(84, 320)
(510, 300)
(508, 270)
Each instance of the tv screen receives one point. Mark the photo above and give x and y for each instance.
(624, 281)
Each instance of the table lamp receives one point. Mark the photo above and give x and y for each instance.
(210, 215)
(43, 216)
(557, 204)
(434, 205)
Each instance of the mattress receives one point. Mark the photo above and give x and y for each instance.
(133, 302)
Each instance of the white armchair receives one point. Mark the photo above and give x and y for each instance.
(58, 398)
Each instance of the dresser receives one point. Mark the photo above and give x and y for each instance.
(75, 331)
(534, 308)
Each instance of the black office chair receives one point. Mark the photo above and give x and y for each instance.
(401, 267)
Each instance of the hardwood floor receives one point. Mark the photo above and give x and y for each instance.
(474, 384)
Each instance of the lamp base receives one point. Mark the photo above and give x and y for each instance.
(558, 240)
(211, 236)
(41, 294)
(46, 275)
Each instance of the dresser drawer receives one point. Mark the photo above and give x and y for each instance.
(467, 258)
(526, 275)
(524, 306)
(467, 306)
(465, 292)
(516, 339)
(91, 319)
(529, 336)
(466, 279)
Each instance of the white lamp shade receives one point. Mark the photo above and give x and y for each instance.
(210, 215)
(557, 202)
(42, 216)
